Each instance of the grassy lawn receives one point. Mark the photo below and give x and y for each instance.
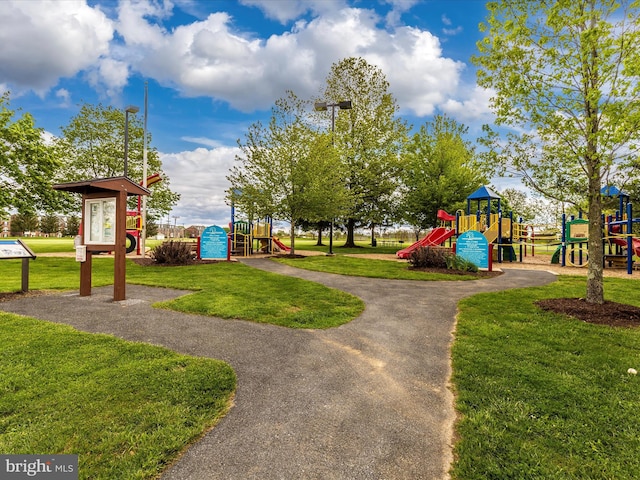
(226, 290)
(542, 396)
(366, 267)
(127, 409)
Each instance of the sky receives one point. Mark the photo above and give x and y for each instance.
(214, 67)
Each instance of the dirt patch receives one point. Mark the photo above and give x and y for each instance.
(150, 262)
(609, 313)
(8, 296)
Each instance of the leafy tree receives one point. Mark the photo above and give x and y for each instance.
(23, 222)
(72, 226)
(27, 165)
(368, 140)
(439, 172)
(287, 170)
(92, 146)
(566, 72)
(50, 224)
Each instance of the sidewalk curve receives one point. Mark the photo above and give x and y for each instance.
(366, 400)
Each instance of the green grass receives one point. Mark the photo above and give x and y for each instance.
(226, 290)
(542, 396)
(363, 267)
(127, 409)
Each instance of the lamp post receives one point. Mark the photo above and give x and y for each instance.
(127, 111)
(322, 107)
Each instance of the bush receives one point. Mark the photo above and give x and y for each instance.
(434, 257)
(173, 253)
(429, 257)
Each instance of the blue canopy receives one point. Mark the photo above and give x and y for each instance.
(484, 193)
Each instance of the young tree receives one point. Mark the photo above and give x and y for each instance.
(72, 226)
(50, 224)
(368, 139)
(27, 165)
(287, 171)
(566, 71)
(439, 172)
(92, 146)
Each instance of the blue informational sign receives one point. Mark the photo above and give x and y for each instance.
(473, 247)
(213, 243)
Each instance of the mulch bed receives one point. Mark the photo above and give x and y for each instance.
(479, 274)
(609, 313)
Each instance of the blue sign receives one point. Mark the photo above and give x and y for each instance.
(213, 243)
(473, 247)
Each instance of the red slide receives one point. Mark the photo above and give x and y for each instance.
(281, 245)
(437, 236)
(635, 244)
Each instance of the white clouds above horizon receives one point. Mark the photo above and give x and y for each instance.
(212, 58)
(45, 41)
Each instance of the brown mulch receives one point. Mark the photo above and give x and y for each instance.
(609, 313)
(479, 273)
(149, 262)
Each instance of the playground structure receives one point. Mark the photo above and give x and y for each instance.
(504, 233)
(134, 220)
(499, 230)
(619, 244)
(249, 237)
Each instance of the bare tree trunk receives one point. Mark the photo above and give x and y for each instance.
(595, 283)
(319, 242)
(351, 226)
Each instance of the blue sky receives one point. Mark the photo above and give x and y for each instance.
(214, 67)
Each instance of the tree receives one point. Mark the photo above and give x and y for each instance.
(368, 140)
(50, 224)
(92, 146)
(72, 226)
(439, 172)
(22, 223)
(566, 72)
(287, 170)
(27, 165)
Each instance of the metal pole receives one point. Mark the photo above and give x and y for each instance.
(143, 233)
(333, 131)
(126, 141)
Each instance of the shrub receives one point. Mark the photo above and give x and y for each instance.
(435, 257)
(454, 262)
(429, 257)
(173, 253)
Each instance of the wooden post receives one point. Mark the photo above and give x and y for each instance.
(120, 253)
(85, 276)
(25, 275)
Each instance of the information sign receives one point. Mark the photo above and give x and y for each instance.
(473, 247)
(213, 243)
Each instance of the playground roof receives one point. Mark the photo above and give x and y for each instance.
(483, 193)
(611, 191)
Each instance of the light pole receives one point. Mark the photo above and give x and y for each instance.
(322, 107)
(127, 111)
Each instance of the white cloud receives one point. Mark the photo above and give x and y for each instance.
(55, 39)
(199, 176)
(284, 11)
(474, 107)
(209, 58)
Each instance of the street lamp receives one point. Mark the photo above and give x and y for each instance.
(322, 107)
(127, 111)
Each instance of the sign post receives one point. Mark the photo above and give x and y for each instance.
(16, 249)
(104, 226)
(214, 243)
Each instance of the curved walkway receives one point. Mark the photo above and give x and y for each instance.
(366, 400)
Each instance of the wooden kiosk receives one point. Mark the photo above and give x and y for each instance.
(104, 226)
